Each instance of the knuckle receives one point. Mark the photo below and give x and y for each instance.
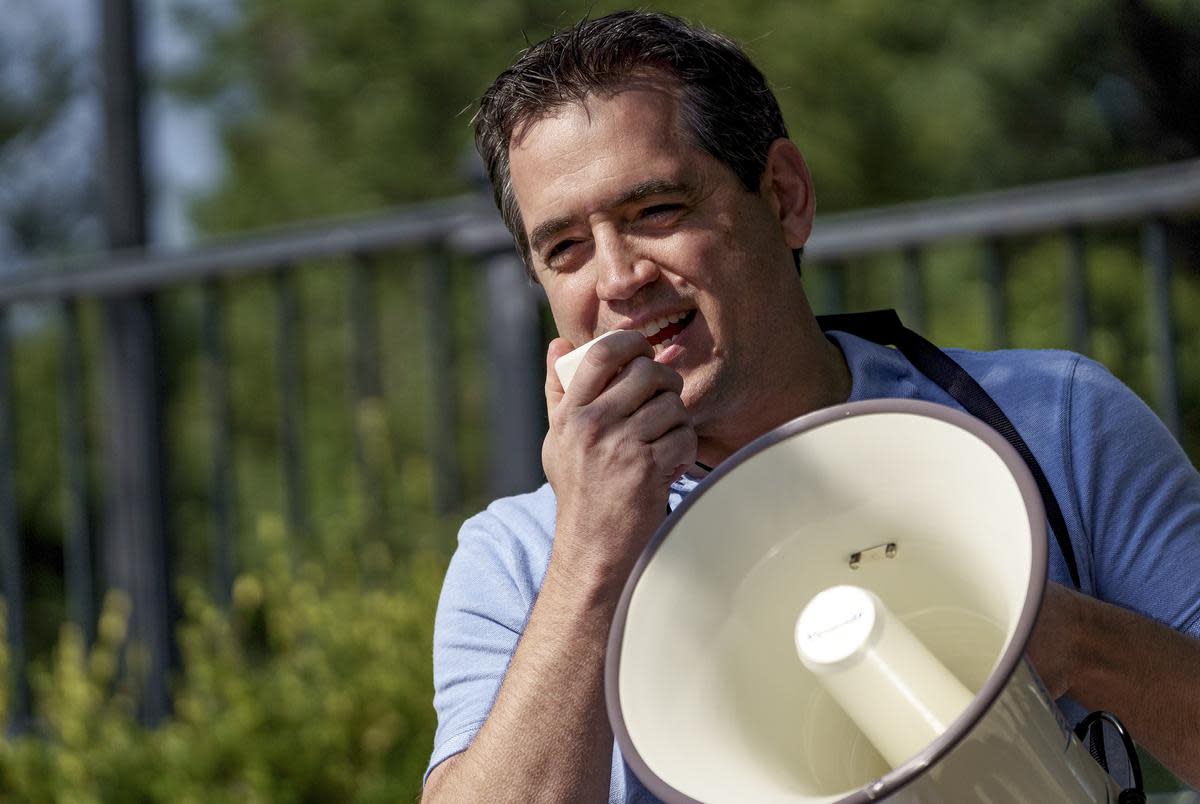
(670, 406)
(602, 353)
(585, 422)
(643, 369)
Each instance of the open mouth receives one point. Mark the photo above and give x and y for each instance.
(663, 332)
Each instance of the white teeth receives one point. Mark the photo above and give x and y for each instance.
(655, 326)
(675, 317)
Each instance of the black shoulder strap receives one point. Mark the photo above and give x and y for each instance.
(884, 327)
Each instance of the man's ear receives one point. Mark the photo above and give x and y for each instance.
(788, 187)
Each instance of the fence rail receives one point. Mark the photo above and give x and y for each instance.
(1151, 200)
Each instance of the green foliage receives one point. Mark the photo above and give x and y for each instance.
(314, 687)
(45, 174)
(339, 107)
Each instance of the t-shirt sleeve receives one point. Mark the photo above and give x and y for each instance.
(1139, 499)
(480, 616)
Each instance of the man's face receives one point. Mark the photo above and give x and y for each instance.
(631, 227)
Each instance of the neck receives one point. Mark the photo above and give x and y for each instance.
(810, 385)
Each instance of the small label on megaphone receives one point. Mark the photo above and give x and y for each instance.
(836, 625)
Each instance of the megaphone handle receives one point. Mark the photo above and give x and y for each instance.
(1090, 731)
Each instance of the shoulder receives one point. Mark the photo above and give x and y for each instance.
(1021, 367)
(1037, 384)
(507, 544)
(522, 516)
(1053, 380)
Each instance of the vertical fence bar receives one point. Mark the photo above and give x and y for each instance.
(832, 287)
(995, 270)
(514, 345)
(221, 479)
(12, 565)
(137, 541)
(1076, 292)
(288, 352)
(439, 336)
(137, 546)
(369, 437)
(77, 537)
(1161, 325)
(912, 289)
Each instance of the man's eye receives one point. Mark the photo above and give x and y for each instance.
(559, 249)
(661, 210)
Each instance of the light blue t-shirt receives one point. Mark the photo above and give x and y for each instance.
(1130, 497)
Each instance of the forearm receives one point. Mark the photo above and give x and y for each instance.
(1148, 675)
(613, 447)
(547, 737)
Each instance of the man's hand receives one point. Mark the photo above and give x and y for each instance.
(1106, 657)
(617, 440)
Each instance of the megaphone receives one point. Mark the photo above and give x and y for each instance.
(840, 615)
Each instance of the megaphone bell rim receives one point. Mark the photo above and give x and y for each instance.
(897, 778)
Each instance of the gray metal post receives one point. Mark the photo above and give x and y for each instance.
(1076, 292)
(517, 375)
(1161, 324)
(831, 287)
(221, 480)
(439, 337)
(136, 543)
(367, 385)
(289, 358)
(12, 567)
(77, 533)
(912, 289)
(995, 270)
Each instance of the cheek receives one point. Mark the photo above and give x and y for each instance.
(574, 304)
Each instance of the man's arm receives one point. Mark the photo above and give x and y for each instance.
(1106, 657)
(1125, 647)
(615, 444)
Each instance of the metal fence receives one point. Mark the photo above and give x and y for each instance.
(135, 540)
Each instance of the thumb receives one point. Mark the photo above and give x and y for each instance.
(554, 390)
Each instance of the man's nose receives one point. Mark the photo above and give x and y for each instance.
(622, 271)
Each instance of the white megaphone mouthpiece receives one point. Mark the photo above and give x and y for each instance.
(838, 616)
(896, 692)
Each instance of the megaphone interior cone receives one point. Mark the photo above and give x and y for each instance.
(897, 693)
(707, 695)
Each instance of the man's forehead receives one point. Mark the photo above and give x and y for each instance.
(601, 153)
(653, 103)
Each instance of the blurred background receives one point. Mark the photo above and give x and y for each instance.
(264, 344)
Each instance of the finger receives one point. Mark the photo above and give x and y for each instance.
(554, 390)
(676, 448)
(603, 361)
(637, 383)
(659, 415)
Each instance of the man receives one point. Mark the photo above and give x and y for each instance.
(645, 172)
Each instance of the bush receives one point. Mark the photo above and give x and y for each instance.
(314, 687)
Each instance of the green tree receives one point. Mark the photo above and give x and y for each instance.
(355, 107)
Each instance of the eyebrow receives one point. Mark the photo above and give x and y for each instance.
(547, 230)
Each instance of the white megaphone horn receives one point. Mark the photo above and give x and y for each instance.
(840, 615)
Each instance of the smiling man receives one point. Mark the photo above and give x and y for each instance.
(645, 172)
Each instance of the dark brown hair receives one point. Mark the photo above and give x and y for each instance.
(726, 107)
